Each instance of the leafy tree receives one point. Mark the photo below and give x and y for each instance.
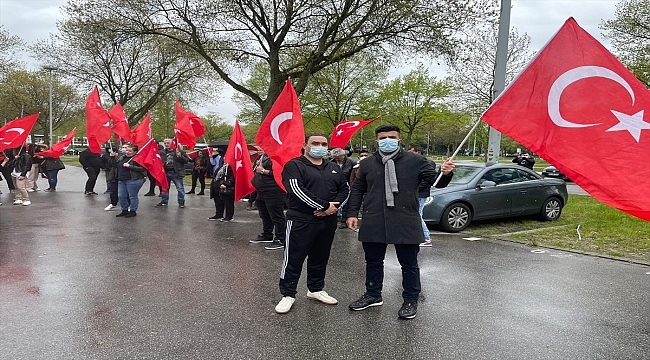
(629, 33)
(9, 48)
(27, 92)
(295, 38)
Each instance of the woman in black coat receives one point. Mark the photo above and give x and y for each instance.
(199, 170)
(222, 191)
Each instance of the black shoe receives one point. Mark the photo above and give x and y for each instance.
(201, 193)
(225, 220)
(91, 193)
(365, 302)
(260, 239)
(181, 205)
(130, 214)
(160, 204)
(150, 194)
(343, 226)
(214, 218)
(123, 213)
(408, 310)
(190, 192)
(275, 246)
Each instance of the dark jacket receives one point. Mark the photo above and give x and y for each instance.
(203, 164)
(312, 187)
(49, 164)
(178, 162)
(346, 167)
(400, 224)
(23, 164)
(424, 190)
(224, 176)
(89, 159)
(136, 170)
(525, 162)
(265, 182)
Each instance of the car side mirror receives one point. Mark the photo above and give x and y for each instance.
(486, 184)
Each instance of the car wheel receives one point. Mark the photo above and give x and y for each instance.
(455, 218)
(551, 209)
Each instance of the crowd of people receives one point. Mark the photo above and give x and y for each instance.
(324, 189)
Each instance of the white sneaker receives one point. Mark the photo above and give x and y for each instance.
(110, 207)
(284, 305)
(26, 203)
(426, 244)
(30, 190)
(322, 296)
(18, 202)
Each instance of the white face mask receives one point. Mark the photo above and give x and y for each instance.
(318, 152)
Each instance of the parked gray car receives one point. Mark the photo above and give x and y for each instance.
(479, 192)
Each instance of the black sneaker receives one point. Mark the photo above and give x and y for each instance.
(130, 214)
(190, 192)
(160, 204)
(225, 220)
(275, 246)
(214, 218)
(123, 213)
(408, 310)
(260, 239)
(150, 194)
(365, 302)
(181, 205)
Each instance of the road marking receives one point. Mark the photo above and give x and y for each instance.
(472, 239)
(539, 251)
(562, 255)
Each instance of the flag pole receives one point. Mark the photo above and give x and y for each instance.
(140, 149)
(458, 148)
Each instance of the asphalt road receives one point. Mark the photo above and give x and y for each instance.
(78, 283)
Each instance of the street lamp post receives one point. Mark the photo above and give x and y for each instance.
(50, 69)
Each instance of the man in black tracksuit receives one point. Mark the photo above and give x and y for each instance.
(315, 190)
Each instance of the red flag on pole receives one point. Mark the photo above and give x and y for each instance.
(282, 133)
(195, 122)
(15, 133)
(141, 134)
(240, 161)
(59, 148)
(150, 159)
(98, 123)
(582, 110)
(184, 133)
(345, 130)
(120, 122)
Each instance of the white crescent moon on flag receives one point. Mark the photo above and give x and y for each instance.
(569, 78)
(276, 122)
(238, 147)
(355, 124)
(18, 130)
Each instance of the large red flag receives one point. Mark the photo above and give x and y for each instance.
(141, 133)
(184, 133)
(120, 122)
(98, 123)
(197, 124)
(59, 148)
(282, 133)
(240, 161)
(579, 108)
(150, 159)
(345, 130)
(15, 133)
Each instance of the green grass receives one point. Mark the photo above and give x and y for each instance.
(603, 230)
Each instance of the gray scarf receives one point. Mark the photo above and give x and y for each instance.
(390, 177)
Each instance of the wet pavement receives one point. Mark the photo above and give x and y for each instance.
(78, 283)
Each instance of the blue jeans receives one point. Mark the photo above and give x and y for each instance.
(127, 191)
(52, 178)
(427, 234)
(178, 182)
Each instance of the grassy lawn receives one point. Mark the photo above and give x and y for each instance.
(603, 230)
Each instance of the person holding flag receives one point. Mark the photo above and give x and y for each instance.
(174, 161)
(51, 162)
(130, 177)
(22, 167)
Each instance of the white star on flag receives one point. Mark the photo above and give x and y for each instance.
(630, 123)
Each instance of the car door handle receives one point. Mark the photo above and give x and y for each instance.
(523, 192)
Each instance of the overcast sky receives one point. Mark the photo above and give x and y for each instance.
(33, 20)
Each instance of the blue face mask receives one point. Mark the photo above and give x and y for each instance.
(388, 145)
(318, 152)
(122, 151)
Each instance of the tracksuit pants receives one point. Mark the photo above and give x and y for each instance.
(407, 255)
(311, 240)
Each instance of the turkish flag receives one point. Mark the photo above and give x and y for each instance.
(141, 134)
(240, 161)
(98, 122)
(184, 133)
(59, 148)
(345, 130)
(580, 109)
(282, 134)
(120, 122)
(14, 133)
(197, 124)
(149, 157)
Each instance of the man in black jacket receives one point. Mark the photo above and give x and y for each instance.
(315, 190)
(92, 164)
(390, 215)
(524, 160)
(270, 203)
(174, 162)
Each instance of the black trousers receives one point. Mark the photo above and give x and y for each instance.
(200, 176)
(311, 240)
(112, 186)
(270, 205)
(6, 173)
(152, 184)
(407, 255)
(224, 202)
(93, 173)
